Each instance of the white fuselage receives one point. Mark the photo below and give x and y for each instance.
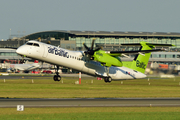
(75, 60)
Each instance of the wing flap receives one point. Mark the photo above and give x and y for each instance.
(102, 75)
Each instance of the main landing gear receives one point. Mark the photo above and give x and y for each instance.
(57, 77)
(107, 79)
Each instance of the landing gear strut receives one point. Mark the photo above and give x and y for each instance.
(106, 70)
(22, 60)
(107, 79)
(57, 77)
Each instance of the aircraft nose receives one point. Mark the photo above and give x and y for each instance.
(20, 51)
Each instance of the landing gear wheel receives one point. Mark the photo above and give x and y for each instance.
(57, 77)
(107, 79)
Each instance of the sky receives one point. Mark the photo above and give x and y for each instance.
(23, 17)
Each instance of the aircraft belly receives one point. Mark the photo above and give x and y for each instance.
(91, 67)
(126, 73)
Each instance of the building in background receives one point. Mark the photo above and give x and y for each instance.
(112, 40)
(108, 40)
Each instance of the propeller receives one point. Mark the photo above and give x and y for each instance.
(90, 51)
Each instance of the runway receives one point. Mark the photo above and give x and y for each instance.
(30, 76)
(91, 102)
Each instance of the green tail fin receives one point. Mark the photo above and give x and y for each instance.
(141, 60)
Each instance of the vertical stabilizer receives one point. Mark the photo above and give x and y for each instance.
(141, 60)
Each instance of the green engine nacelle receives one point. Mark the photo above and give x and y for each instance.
(107, 59)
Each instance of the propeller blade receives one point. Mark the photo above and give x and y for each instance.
(92, 45)
(90, 51)
(85, 46)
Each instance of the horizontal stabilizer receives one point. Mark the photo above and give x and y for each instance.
(141, 60)
(133, 52)
(149, 44)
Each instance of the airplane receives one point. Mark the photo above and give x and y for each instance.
(98, 63)
(23, 67)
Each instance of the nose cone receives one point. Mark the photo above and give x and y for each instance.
(21, 50)
(18, 51)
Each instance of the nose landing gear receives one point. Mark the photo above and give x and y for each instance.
(57, 77)
(22, 60)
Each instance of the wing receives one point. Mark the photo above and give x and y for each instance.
(142, 43)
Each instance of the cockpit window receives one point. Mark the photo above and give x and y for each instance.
(29, 43)
(33, 44)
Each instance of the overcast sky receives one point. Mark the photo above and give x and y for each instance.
(30, 16)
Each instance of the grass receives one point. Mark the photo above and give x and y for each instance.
(45, 87)
(92, 113)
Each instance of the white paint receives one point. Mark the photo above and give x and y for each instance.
(20, 107)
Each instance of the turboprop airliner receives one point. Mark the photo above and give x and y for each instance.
(104, 64)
